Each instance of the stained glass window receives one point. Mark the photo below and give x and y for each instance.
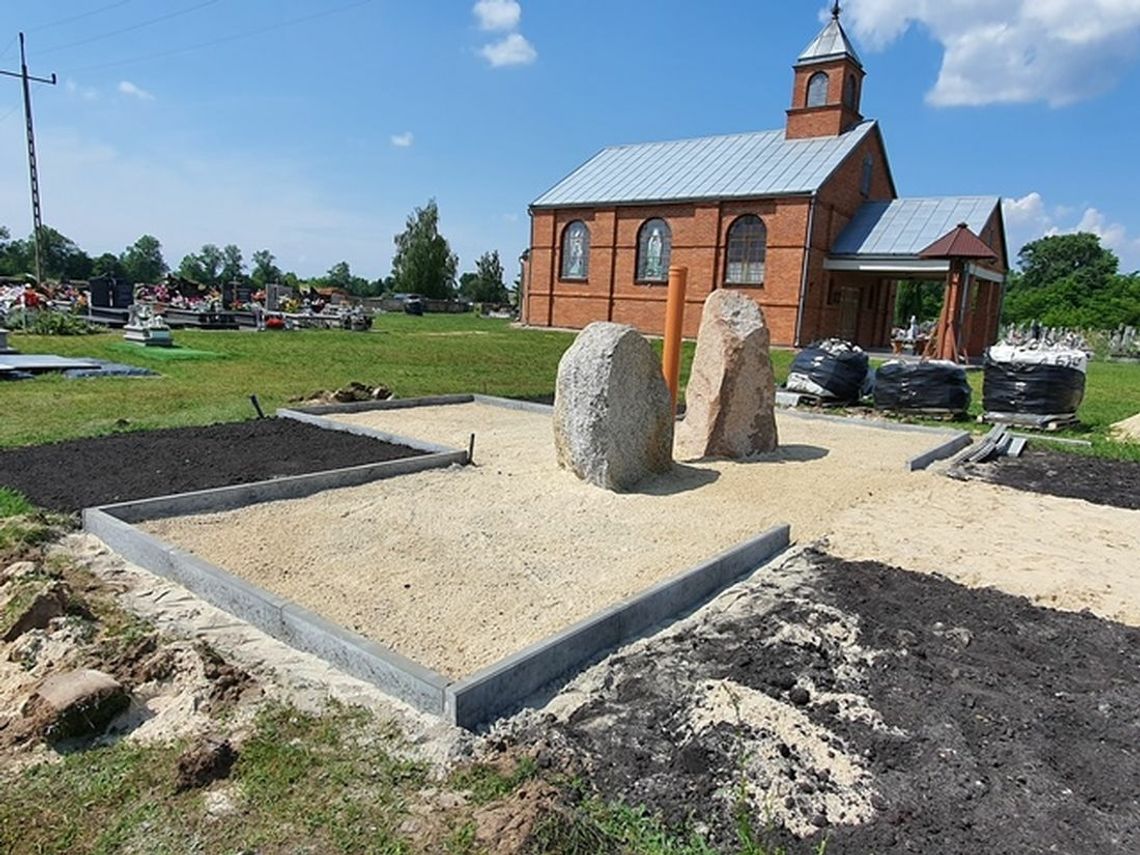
(747, 251)
(654, 245)
(576, 251)
(817, 90)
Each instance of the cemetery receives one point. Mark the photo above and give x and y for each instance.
(734, 571)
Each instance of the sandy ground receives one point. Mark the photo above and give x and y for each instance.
(1128, 429)
(462, 567)
(459, 568)
(1062, 553)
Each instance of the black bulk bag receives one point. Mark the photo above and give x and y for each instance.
(831, 369)
(916, 386)
(1041, 386)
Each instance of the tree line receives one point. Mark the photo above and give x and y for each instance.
(1069, 281)
(423, 264)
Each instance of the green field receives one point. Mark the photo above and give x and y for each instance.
(210, 375)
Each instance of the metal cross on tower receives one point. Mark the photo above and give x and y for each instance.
(33, 172)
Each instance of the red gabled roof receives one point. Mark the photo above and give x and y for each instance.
(960, 243)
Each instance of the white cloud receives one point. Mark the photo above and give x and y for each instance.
(498, 14)
(128, 88)
(403, 140)
(87, 93)
(510, 50)
(1012, 51)
(1030, 218)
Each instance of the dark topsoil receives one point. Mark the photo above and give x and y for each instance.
(69, 476)
(1075, 476)
(1016, 731)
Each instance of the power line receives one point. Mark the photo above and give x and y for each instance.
(4, 53)
(131, 28)
(224, 39)
(4, 118)
(79, 17)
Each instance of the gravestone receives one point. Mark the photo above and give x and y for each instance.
(613, 417)
(99, 292)
(123, 294)
(4, 347)
(730, 401)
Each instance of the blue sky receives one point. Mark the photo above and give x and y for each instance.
(313, 128)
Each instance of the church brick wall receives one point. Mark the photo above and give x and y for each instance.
(699, 238)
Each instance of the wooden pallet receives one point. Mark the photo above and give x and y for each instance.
(1047, 424)
(930, 414)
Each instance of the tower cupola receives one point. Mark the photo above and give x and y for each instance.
(828, 85)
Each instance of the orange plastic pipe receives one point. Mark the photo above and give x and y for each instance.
(674, 321)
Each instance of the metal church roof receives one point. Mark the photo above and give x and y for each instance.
(831, 43)
(764, 163)
(906, 227)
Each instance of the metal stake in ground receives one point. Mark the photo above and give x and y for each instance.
(33, 172)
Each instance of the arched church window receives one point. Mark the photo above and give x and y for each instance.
(868, 175)
(817, 89)
(850, 92)
(654, 246)
(747, 251)
(576, 251)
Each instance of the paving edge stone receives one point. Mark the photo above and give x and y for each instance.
(505, 685)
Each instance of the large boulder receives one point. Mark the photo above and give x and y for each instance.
(74, 704)
(613, 417)
(730, 402)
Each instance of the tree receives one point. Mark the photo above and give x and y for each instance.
(340, 276)
(233, 265)
(485, 285)
(61, 258)
(920, 300)
(1071, 281)
(1079, 256)
(203, 267)
(265, 270)
(143, 261)
(424, 263)
(108, 265)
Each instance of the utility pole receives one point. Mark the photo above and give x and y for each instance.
(33, 172)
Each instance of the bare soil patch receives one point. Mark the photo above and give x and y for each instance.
(1042, 470)
(69, 476)
(883, 710)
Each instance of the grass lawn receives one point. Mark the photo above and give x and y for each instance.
(210, 375)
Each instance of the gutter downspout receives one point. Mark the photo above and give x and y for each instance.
(804, 274)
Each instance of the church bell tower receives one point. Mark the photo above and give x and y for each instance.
(828, 85)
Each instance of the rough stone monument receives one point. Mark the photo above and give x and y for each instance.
(613, 418)
(731, 397)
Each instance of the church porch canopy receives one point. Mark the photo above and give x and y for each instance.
(887, 239)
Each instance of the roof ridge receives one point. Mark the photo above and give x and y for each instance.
(741, 134)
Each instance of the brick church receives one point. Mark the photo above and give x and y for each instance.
(806, 219)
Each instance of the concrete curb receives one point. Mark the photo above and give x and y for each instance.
(320, 421)
(291, 487)
(506, 684)
(400, 677)
(940, 452)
